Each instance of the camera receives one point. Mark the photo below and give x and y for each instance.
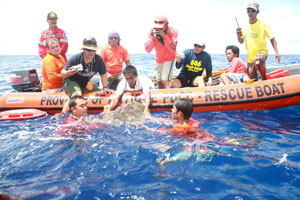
(78, 67)
(154, 32)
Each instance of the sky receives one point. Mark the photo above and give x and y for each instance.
(212, 21)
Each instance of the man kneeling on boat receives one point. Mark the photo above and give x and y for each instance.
(237, 71)
(132, 82)
(79, 70)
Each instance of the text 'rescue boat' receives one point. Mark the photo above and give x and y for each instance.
(260, 95)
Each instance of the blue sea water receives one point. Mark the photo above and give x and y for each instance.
(255, 154)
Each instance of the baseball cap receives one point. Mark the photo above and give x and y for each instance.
(160, 21)
(90, 43)
(52, 15)
(253, 5)
(113, 34)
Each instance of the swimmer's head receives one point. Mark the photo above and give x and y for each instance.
(185, 106)
(78, 106)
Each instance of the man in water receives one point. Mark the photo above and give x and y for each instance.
(189, 129)
(255, 37)
(77, 122)
(132, 82)
(78, 106)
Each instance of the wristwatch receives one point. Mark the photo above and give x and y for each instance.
(105, 86)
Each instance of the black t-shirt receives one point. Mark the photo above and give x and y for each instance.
(89, 69)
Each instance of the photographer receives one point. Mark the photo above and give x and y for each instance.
(163, 38)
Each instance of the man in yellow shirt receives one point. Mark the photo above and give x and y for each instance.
(254, 36)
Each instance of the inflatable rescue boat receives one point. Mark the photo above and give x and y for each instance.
(260, 95)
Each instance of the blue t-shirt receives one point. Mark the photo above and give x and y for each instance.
(89, 69)
(194, 64)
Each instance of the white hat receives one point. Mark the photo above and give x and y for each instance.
(201, 43)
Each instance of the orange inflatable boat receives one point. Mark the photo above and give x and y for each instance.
(261, 95)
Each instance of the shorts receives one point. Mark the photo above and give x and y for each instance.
(113, 84)
(71, 87)
(164, 71)
(54, 90)
(260, 58)
(184, 82)
(237, 78)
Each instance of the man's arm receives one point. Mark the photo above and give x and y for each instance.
(42, 49)
(150, 43)
(104, 81)
(114, 103)
(209, 73)
(127, 62)
(171, 42)
(274, 44)
(147, 102)
(68, 72)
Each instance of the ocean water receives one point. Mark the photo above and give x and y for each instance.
(255, 154)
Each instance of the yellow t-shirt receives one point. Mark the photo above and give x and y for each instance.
(255, 38)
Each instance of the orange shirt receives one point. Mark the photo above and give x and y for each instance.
(114, 58)
(51, 72)
(192, 130)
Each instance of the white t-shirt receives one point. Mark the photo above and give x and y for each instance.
(142, 83)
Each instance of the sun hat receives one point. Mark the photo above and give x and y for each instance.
(254, 6)
(90, 43)
(160, 21)
(52, 15)
(201, 43)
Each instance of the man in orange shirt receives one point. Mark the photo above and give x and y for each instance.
(187, 127)
(78, 106)
(52, 65)
(113, 56)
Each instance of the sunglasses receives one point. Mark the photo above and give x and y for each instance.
(89, 50)
(198, 46)
(114, 38)
(159, 22)
(251, 10)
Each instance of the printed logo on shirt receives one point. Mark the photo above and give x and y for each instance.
(65, 35)
(253, 35)
(195, 66)
(51, 35)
